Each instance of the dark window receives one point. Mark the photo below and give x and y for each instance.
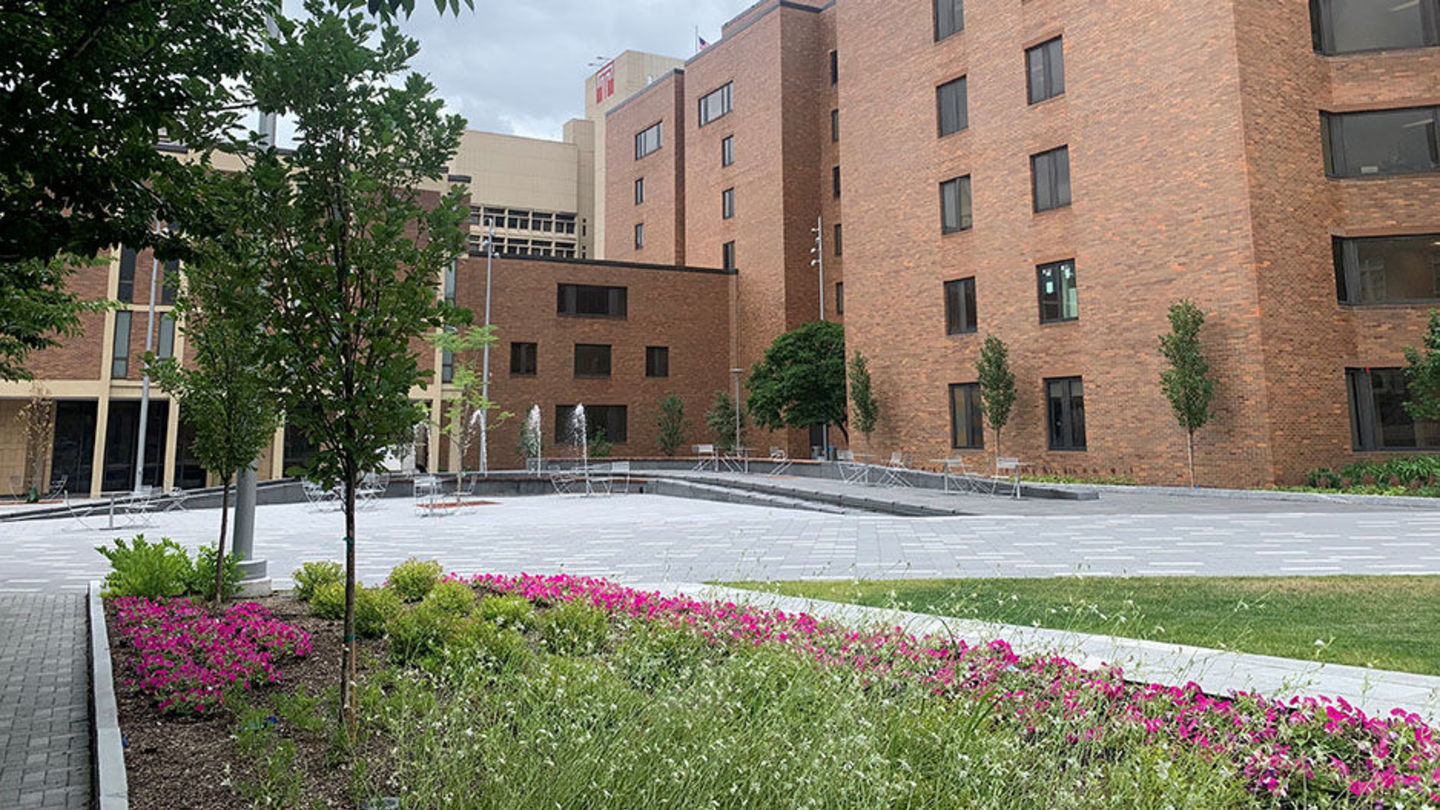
(1059, 298)
(639, 190)
(166, 348)
(169, 282)
(1045, 68)
(640, 236)
(120, 354)
(447, 366)
(727, 150)
(834, 67)
(524, 359)
(727, 203)
(715, 105)
(1368, 144)
(451, 273)
(1066, 399)
(125, 290)
(122, 436)
(839, 245)
(949, 18)
(592, 360)
(955, 206)
(1387, 269)
(647, 141)
(591, 301)
(1345, 26)
(960, 316)
(834, 125)
(967, 418)
(1050, 179)
(950, 100)
(1378, 419)
(609, 419)
(727, 255)
(839, 298)
(657, 361)
(835, 180)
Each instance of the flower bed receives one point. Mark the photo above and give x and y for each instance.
(186, 659)
(1301, 747)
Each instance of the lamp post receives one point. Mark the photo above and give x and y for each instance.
(819, 262)
(736, 372)
(485, 352)
(145, 380)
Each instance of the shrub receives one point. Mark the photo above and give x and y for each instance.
(414, 578)
(311, 575)
(479, 643)
(512, 612)
(374, 607)
(202, 574)
(419, 632)
(574, 628)
(328, 601)
(454, 598)
(152, 570)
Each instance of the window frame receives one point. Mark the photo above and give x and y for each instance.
(974, 433)
(1040, 271)
(963, 113)
(657, 362)
(834, 67)
(724, 96)
(564, 414)
(1332, 135)
(1365, 425)
(727, 203)
(727, 256)
(964, 203)
(1051, 169)
(639, 191)
(125, 282)
(642, 141)
(835, 180)
(617, 298)
(839, 298)
(165, 341)
(727, 151)
(1322, 29)
(527, 353)
(120, 349)
(1052, 65)
(835, 125)
(961, 310)
(1349, 281)
(639, 236)
(957, 21)
(838, 243)
(1067, 404)
(609, 354)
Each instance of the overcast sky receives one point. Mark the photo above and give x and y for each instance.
(519, 66)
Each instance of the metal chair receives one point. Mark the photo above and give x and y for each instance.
(706, 456)
(779, 461)
(892, 474)
(58, 491)
(371, 488)
(852, 471)
(1007, 470)
(317, 496)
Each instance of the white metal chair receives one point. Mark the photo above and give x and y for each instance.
(319, 498)
(892, 474)
(428, 497)
(779, 461)
(852, 471)
(371, 489)
(706, 456)
(1007, 470)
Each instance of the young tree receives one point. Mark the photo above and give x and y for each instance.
(671, 423)
(1186, 382)
(1422, 375)
(801, 381)
(467, 400)
(721, 419)
(867, 410)
(227, 392)
(355, 253)
(37, 424)
(997, 385)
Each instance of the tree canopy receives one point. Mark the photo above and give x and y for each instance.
(801, 381)
(1186, 382)
(1422, 374)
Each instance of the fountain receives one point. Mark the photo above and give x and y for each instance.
(581, 438)
(534, 443)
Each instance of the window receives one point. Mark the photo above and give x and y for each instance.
(657, 361)
(1050, 179)
(834, 125)
(1345, 26)
(967, 418)
(169, 282)
(1059, 298)
(839, 245)
(835, 180)
(120, 354)
(955, 213)
(949, 18)
(447, 366)
(951, 102)
(647, 141)
(715, 105)
(166, 349)
(834, 67)
(609, 419)
(125, 290)
(1066, 401)
(524, 359)
(591, 301)
(639, 190)
(1378, 419)
(727, 203)
(592, 360)
(1045, 69)
(727, 255)
(640, 236)
(960, 307)
(1387, 269)
(727, 150)
(450, 278)
(1367, 144)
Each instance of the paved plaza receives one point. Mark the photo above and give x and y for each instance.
(648, 538)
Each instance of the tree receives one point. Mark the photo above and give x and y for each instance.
(36, 309)
(867, 410)
(355, 253)
(671, 424)
(722, 419)
(37, 423)
(1422, 375)
(1186, 382)
(227, 390)
(997, 385)
(467, 399)
(801, 381)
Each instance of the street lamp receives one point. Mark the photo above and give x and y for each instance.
(145, 380)
(489, 244)
(819, 262)
(737, 372)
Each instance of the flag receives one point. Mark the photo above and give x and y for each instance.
(703, 43)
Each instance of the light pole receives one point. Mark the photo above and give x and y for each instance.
(819, 262)
(736, 372)
(145, 380)
(485, 353)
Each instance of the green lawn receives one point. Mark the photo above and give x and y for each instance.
(1382, 622)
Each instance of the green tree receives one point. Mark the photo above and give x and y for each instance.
(467, 400)
(801, 381)
(1422, 375)
(355, 254)
(36, 310)
(997, 385)
(721, 419)
(1186, 382)
(867, 410)
(227, 390)
(671, 424)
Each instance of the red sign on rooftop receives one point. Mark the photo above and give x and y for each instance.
(605, 82)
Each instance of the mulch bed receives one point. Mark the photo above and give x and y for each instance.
(174, 761)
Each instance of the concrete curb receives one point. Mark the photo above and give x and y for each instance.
(1404, 501)
(111, 789)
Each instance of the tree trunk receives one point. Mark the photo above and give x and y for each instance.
(997, 451)
(347, 658)
(220, 546)
(1190, 454)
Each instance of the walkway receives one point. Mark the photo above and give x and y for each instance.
(44, 701)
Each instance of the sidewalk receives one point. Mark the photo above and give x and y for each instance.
(44, 701)
(1376, 692)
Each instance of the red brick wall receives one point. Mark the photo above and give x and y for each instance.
(662, 213)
